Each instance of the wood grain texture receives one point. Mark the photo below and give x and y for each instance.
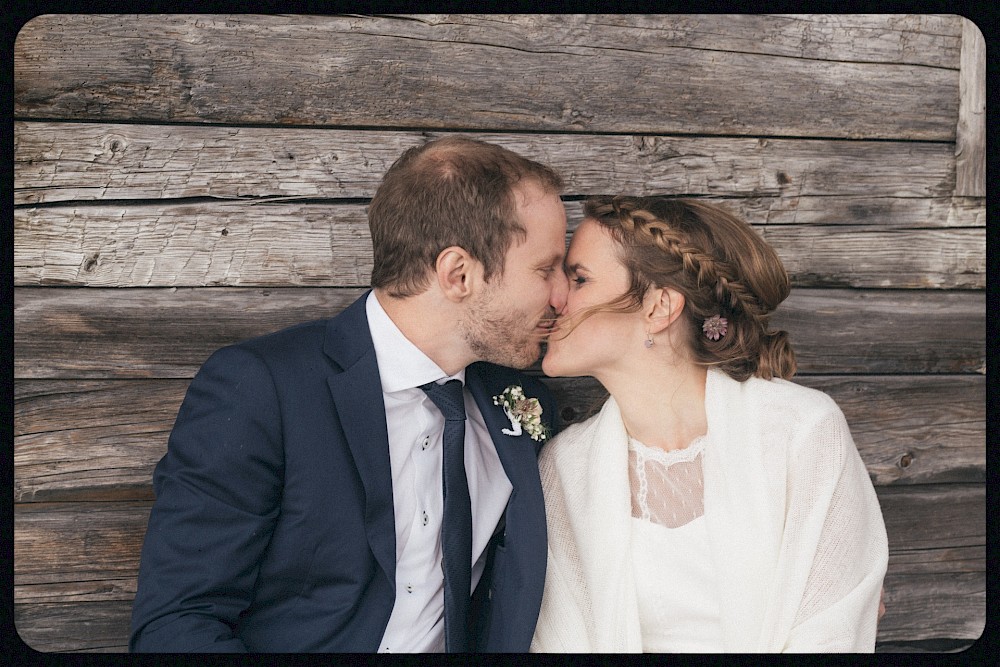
(970, 136)
(85, 627)
(76, 561)
(241, 244)
(59, 162)
(99, 439)
(134, 333)
(571, 75)
(78, 542)
(934, 561)
(158, 332)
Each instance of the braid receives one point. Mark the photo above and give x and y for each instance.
(707, 270)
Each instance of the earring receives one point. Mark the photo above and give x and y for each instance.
(649, 341)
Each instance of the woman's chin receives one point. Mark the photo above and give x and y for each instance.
(550, 365)
(553, 366)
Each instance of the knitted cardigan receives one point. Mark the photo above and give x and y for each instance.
(794, 527)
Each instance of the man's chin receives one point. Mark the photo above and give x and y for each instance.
(521, 358)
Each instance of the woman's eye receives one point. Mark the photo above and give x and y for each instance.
(579, 280)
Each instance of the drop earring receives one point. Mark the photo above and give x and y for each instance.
(649, 341)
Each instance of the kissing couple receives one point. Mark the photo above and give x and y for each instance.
(389, 480)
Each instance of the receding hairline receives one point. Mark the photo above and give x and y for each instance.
(443, 157)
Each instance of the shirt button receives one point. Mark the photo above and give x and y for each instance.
(425, 444)
(425, 518)
(409, 588)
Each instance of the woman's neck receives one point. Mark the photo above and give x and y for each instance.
(662, 402)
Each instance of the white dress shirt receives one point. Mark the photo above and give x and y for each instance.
(416, 427)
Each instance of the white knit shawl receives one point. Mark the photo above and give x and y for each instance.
(794, 526)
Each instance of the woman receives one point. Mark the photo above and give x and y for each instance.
(711, 505)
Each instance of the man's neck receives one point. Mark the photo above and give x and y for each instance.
(431, 323)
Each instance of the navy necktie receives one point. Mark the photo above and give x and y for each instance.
(456, 530)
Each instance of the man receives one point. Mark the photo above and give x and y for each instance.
(300, 505)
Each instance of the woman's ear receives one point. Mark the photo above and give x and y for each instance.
(663, 306)
(457, 273)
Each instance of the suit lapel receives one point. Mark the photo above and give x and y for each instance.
(517, 453)
(357, 396)
(525, 516)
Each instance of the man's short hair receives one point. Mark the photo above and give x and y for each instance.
(453, 191)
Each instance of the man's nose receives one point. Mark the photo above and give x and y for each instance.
(560, 292)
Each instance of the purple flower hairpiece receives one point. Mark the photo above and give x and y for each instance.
(715, 327)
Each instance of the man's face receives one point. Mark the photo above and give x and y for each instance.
(509, 319)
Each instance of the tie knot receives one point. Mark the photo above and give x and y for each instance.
(448, 398)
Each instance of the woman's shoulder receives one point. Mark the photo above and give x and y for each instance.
(567, 436)
(571, 441)
(773, 415)
(796, 396)
(775, 398)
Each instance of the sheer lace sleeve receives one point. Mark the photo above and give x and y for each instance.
(838, 610)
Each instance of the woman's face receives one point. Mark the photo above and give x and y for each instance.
(596, 277)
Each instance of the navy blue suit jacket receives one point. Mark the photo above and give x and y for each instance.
(273, 524)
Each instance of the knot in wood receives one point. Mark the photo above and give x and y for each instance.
(113, 145)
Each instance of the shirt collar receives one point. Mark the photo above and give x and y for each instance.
(401, 364)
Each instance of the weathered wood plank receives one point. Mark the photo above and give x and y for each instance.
(241, 244)
(927, 517)
(936, 646)
(77, 542)
(934, 561)
(912, 39)
(836, 331)
(66, 578)
(926, 606)
(91, 440)
(134, 333)
(906, 426)
(970, 136)
(875, 257)
(151, 333)
(362, 71)
(103, 589)
(57, 162)
(74, 626)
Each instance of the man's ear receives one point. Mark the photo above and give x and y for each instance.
(663, 306)
(457, 273)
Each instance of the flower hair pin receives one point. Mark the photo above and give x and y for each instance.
(524, 413)
(715, 327)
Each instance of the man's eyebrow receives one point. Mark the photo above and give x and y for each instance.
(550, 260)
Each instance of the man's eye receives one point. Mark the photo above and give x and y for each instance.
(579, 280)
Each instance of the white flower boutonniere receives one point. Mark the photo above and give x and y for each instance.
(523, 413)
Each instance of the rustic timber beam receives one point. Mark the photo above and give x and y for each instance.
(577, 74)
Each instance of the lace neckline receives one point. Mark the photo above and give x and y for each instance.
(665, 457)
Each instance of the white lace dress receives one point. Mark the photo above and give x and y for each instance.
(677, 587)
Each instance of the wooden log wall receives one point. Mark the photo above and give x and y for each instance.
(183, 182)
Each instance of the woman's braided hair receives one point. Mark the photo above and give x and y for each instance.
(720, 265)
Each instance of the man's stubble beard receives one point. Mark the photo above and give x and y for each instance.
(499, 337)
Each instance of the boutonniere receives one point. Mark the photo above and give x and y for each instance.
(524, 413)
